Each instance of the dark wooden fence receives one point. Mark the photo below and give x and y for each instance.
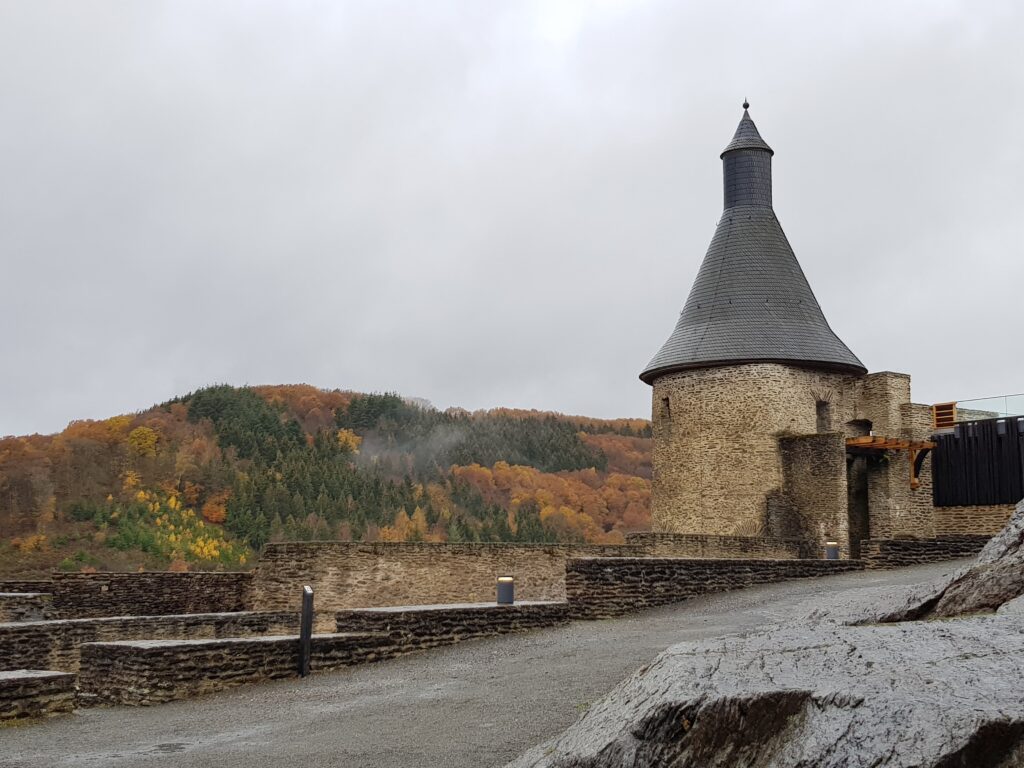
(981, 463)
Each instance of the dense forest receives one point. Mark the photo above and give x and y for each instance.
(205, 480)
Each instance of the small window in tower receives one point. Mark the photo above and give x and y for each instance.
(666, 409)
(824, 416)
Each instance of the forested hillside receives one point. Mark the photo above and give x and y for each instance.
(205, 480)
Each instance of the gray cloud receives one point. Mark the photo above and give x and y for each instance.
(486, 204)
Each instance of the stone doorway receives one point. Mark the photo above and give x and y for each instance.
(857, 501)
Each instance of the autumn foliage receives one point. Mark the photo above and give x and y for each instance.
(232, 468)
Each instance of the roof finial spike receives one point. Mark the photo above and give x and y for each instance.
(746, 104)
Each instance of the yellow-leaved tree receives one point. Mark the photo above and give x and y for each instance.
(143, 441)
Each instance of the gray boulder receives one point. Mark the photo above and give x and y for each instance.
(881, 687)
(938, 694)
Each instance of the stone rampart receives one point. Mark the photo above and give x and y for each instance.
(895, 553)
(708, 546)
(35, 693)
(82, 595)
(353, 575)
(144, 672)
(814, 486)
(24, 606)
(57, 644)
(416, 627)
(716, 442)
(988, 520)
(604, 587)
(32, 585)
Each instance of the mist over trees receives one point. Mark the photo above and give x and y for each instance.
(210, 477)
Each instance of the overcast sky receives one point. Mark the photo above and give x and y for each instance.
(487, 203)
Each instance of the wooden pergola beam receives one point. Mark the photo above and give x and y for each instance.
(877, 444)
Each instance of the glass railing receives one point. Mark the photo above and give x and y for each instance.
(990, 408)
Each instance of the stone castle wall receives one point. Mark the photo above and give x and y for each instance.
(897, 553)
(759, 449)
(28, 693)
(82, 595)
(57, 644)
(142, 672)
(729, 547)
(24, 606)
(814, 472)
(717, 465)
(964, 521)
(604, 587)
(414, 628)
(353, 575)
(33, 585)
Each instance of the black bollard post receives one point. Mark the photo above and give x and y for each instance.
(305, 631)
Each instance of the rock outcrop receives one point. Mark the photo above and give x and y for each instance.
(907, 692)
(994, 578)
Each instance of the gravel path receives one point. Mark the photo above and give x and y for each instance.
(472, 705)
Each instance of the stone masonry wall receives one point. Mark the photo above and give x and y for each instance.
(730, 547)
(352, 575)
(81, 595)
(917, 425)
(152, 671)
(719, 468)
(601, 588)
(35, 693)
(716, 457)
(880, 401)
(33, 585)
(896, 553)
(57, 644)
(814, 472)
(987, 520)
(414, 628)
(24, 606)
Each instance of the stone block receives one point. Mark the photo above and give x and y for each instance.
(897, 553)
(602, 588)
(25, 606)
(89, 595)
(426, 626)
(35, 693)
(363, 575)
(56, 644)
(143, 672)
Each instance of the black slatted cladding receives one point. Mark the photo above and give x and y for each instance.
(982, 462)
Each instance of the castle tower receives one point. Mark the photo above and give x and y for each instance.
(752, 365)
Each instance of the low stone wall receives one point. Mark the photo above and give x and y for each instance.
(730, 547)
(145, 672)
(894, 553)
(34, 585)
(86, 595)
(413, 628)
(968, 521)
(35, 693)
(24, 606)
(601, 588)
(352, 575)
(57, 644)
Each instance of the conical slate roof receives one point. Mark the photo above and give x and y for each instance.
(746, 136)
(751, 301)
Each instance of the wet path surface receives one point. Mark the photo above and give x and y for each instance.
(472, 705)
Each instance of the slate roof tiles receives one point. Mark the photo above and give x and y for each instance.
(751, 301)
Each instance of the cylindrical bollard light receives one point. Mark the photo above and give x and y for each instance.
(506, 590)
(831, 550)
